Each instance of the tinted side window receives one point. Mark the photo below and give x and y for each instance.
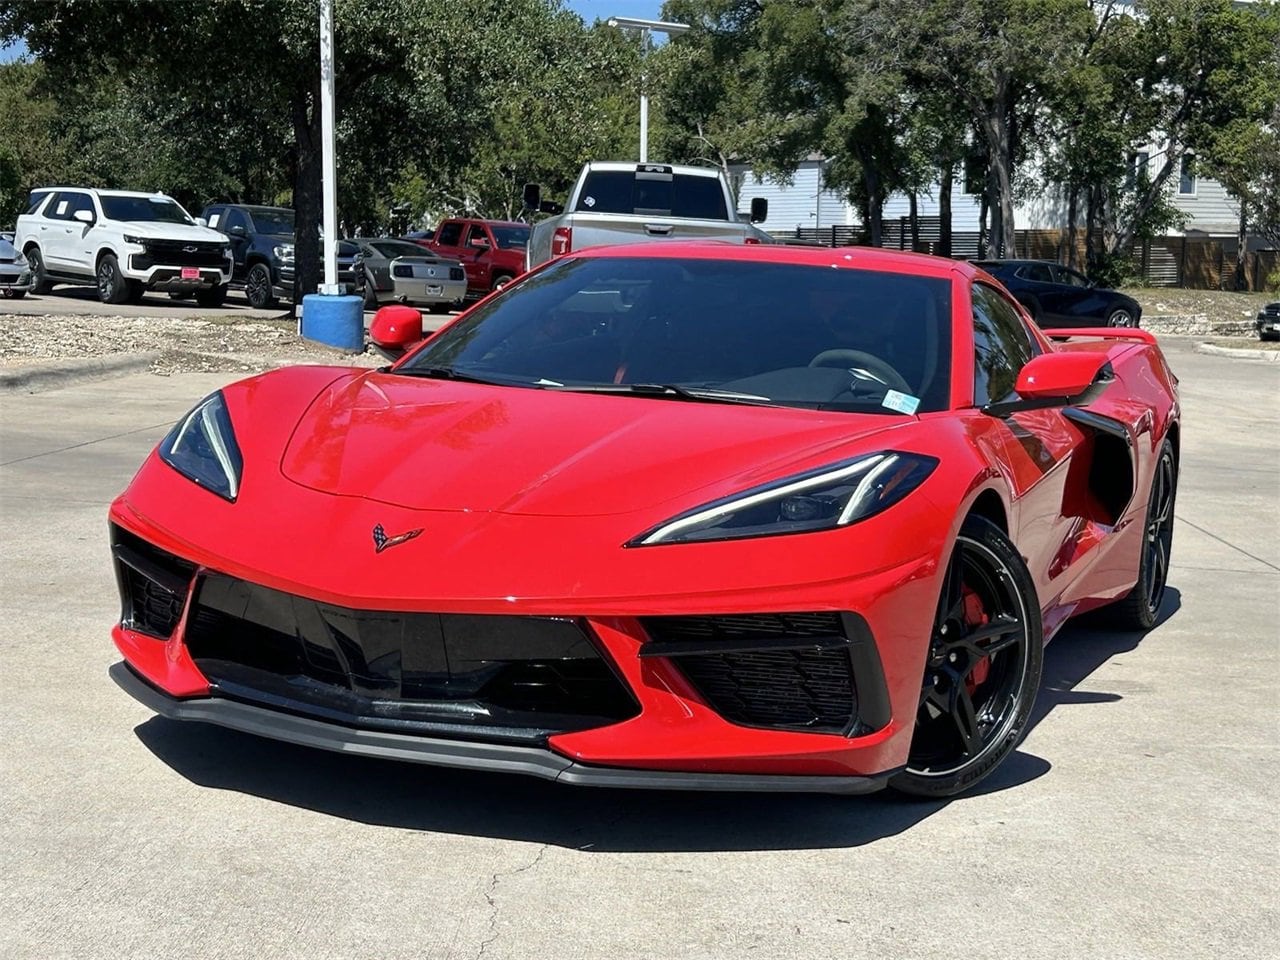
(476, 232)
(233, 218)
(216, 217)
(1071, 277)
(34, 201)
(1001, 346)
(1038, 272)
(450, 234)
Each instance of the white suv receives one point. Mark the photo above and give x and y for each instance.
(123, 243)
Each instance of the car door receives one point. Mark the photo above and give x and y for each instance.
(60, 232)
(233, 218)
(479, 248)
(1079, 304)
(1034, 448)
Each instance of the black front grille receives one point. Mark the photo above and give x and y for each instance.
(179, 253)
(153, 584)
(788, 671)
(508, 677)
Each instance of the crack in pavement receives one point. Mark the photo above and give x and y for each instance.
(493, 903)
(1228, 543)
(86, 443)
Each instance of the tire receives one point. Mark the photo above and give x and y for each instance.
(14, 294)
(982, 670)
(501, 280)
(1120, 317)
(1140, 608)
(136, 291)
(1267, 335)
(257, 287)
(36, 261)
(370, 293)
(440, 307)
(112, 287)
(213, 296)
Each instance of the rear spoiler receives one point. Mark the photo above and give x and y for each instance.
(1102, 333)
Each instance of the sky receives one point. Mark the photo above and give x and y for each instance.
(589, 10)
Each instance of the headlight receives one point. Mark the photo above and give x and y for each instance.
(202, 447)
(140, 241)
(283, 251)
(20, 260)
(833, 496)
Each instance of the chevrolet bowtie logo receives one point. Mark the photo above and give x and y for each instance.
(381, 541)
(190, 249)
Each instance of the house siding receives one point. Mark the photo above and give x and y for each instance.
(798, 204)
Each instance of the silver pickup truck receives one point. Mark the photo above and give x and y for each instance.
(614, 202)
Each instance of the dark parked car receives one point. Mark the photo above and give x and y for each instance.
(1057, 296)
(1268, 323)
(262, 244)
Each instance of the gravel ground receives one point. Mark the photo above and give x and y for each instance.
(186, 344)
(1219, 306)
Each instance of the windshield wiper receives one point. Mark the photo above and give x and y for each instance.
(450, 373)
(669, 390)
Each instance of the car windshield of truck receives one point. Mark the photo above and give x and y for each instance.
(721, 330)
(510, 238)
(144, 209)
(272, 221)
(652, 194)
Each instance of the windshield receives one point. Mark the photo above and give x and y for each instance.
(511, 238)
(653, 194)
(275, 222)
(787, 334)
(144, 209)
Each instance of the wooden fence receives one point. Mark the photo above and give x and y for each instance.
(1198, 263)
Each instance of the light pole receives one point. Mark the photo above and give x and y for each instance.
(646, 27)
(328, 161)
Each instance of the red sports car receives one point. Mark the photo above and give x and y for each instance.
(675, 515)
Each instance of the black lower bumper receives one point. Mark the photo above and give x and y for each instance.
(496, 757)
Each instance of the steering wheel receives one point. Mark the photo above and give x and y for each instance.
(864, 366)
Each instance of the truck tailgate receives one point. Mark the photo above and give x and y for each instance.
(601, 229)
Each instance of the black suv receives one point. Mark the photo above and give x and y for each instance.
(1057, 296)
(262, 245)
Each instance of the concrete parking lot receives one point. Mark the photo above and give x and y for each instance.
(1137, 820)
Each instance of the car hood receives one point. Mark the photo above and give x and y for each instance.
(170, 231)
(444, 445)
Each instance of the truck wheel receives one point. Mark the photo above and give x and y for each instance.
(14, 294)
(136, 291)
(112, 287)
(36, 262)
(502, 280)
(370, 293)
(212, 296)
(257, 287)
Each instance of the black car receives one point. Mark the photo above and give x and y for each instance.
(1267, 325)
(1057, 296)
(262, 244)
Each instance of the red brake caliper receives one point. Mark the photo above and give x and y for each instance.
(975, 616)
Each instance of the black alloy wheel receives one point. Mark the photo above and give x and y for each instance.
(1120, 317)
(35, 261)
(1140, 608)
(983, 667)
(112, 287)
(257, 287)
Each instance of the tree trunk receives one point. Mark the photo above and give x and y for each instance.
(1242, 247)
(983, 210)
(1073, 201)
(914, 214)
(875, 204)
(1090, 230)
(308, 201)
(999, 143)
(944, 211)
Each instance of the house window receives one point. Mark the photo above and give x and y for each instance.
(1137, 169)
(975, 174)
(1187, 176)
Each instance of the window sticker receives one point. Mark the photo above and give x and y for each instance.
(589, 202)
(213, 220)
(62, 208)
(902, 402)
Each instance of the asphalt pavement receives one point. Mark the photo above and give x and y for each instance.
(1137, 820)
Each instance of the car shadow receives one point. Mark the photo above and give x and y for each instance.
(511, 807)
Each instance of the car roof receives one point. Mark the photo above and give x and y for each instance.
(630, 166)
(865, 258)
(145, 195)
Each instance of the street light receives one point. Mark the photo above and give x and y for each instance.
(646, 27)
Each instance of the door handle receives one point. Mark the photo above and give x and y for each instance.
(659, 229)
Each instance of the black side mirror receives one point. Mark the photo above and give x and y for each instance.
(759, 209)
(532, 196)
(236, 231)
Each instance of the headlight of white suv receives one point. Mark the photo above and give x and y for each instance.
(128, 238)
(823, 499)
(202, 447)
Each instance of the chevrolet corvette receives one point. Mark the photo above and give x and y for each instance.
(680, 515)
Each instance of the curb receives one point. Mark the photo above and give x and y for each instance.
(67, 372)
(1267, 356)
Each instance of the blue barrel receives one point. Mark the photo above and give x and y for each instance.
(337, 321)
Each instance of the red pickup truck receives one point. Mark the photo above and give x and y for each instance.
(492, 251)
